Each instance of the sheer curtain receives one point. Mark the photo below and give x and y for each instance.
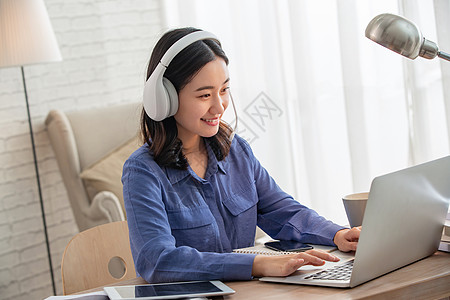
(325, 109)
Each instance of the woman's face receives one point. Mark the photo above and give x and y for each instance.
(203, 101)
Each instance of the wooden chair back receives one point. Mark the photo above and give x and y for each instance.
(96, 257)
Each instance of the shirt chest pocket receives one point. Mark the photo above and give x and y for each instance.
(242, 200)
(242, 206)
(194, 227)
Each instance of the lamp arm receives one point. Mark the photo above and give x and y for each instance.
(444, 55)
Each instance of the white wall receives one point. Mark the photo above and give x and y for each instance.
(105, 46)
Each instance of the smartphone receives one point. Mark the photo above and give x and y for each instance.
(174, 290)
(288, 246)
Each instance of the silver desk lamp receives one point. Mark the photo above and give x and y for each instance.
(402, 36)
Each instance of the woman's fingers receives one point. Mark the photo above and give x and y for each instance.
(284, 265)
(315, 257)
(323, 255)
(347, 239)
(353, 234)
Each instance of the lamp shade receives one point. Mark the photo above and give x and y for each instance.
(396, 33)
(26, 35)
(402, 36)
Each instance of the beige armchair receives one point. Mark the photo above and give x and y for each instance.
(90, 148)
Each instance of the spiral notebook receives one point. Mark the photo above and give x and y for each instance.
(261, 249)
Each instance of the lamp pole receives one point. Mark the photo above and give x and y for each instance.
(38, 181)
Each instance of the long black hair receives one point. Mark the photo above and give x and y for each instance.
(162, 136)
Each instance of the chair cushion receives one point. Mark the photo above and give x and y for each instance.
(106, 174)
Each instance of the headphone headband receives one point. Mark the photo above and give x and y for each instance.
(185, 41)
(160, 96)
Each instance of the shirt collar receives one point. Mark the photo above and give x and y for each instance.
(213, 164)
(222, 166)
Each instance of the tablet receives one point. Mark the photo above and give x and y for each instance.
(168, 290)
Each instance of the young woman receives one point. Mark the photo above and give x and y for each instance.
(193, 194)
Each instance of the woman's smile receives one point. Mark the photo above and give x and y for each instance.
(211, 122)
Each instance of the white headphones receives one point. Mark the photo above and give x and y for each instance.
(160, 96)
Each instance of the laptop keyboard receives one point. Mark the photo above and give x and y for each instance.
(340, 272)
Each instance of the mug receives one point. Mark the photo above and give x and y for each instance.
(355, 205)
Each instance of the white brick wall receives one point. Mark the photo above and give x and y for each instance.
(105, 46)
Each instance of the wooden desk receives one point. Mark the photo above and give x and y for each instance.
(426, 279)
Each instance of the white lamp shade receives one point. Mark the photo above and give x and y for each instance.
(26, 35)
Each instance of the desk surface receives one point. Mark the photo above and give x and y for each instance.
(428, 278)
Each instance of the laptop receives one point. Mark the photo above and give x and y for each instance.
(403, 223)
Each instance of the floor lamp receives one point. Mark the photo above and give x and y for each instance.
(27, 37)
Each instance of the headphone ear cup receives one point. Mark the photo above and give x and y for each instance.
(156, 97)
(172, 97)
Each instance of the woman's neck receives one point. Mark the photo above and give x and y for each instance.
(192, 144)
(188, 150)
(195, 152)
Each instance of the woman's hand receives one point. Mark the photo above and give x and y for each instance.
(284, 265)
(347, 239)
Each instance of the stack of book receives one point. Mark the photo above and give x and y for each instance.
(445, 240)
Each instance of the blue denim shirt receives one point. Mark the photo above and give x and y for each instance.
(183, 227)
